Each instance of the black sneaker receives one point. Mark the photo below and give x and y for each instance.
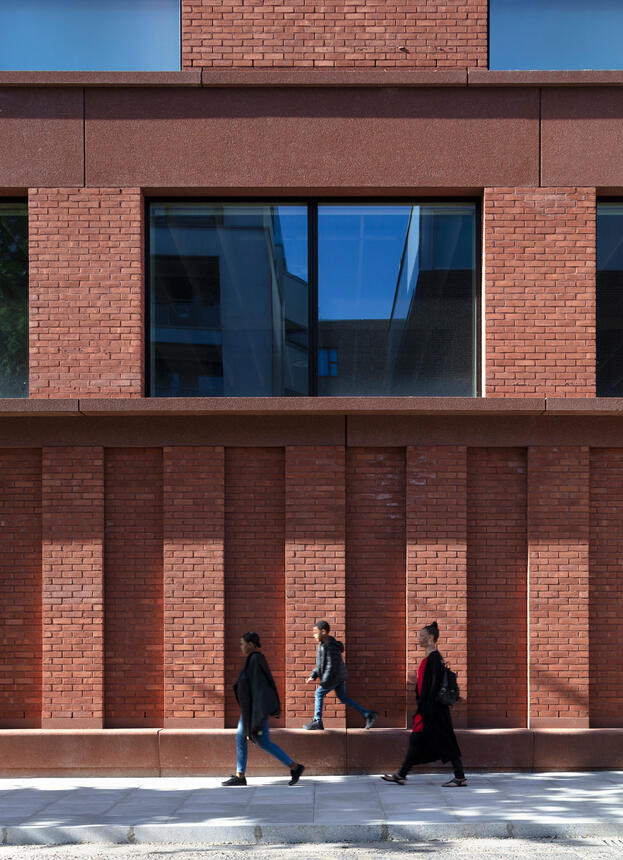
(296, 773)
(314, 726)
(235, 780)
(371, 718)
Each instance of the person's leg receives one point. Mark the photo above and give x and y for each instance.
(411, 756)
(340, 692)
(457, 767)
(318, 703)
(268, 746)
(241, 750)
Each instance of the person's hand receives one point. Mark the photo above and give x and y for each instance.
(309, 680)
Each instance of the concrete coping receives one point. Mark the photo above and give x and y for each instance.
(303, 77)
(301, 406)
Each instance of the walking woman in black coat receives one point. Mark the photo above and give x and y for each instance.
(432, 737)
(258, 698)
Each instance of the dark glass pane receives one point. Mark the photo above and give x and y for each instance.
(555, 34)
(397, 300)
(13, 300)
(229, 300)
(609, 300)
(82, 35)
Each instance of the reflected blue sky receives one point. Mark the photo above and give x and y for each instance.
(87, 35)
(556, 34)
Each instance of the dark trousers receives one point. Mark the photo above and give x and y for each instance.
(417, 753)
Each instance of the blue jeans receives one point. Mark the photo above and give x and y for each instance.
(340, 692)
(263, 741)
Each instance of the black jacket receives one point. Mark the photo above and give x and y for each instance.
(330, 668)
(257, 694)
(439, 739)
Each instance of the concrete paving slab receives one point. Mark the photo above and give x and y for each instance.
(320, 809)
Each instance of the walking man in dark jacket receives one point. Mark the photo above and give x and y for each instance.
(331, 674)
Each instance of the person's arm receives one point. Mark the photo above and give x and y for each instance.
(329, 666)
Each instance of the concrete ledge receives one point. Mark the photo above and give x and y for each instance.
(187, 78)
(334, 77)
(540, 78)
(211, 752)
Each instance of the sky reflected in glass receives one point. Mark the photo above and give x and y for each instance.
(83, 35)
(556, 34)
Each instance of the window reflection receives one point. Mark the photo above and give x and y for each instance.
(609, 300)
(13, 300)
(397, 299)
(229, 300)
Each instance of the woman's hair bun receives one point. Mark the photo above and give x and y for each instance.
(252, 637)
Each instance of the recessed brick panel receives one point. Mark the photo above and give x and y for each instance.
(605, 641)
(20, 587)
(375, 582)
(194, 618)
(72, 587)
(254, 563)
(497, 588)
(558, 583)
(436, 528)
(342, 34)
(134, 571)
(315, 569)
(539, 292)
(86, 292)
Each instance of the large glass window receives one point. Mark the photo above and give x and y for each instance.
(86, 35)
(254, 299)
(13, 300)
(609, 299)
(555, 34)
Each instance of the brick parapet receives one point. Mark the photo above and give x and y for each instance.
(539, 292)
(338, 34)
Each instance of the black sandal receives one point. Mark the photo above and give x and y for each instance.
(394, 777)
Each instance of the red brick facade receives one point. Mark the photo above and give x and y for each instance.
(344, 34)
(86, 292)
(539, 292)
(141, 537)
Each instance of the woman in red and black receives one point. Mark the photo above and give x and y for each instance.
(432, 737)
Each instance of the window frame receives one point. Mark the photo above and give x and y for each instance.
(23, 201)
(312, 204)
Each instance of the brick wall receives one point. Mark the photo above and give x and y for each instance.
(255, 563)
(375, 582)
(558, 586)
(86, 292)
(134, 581)
(497, 587)
(20, 587)
(72, 491)
(346, 33)
(539, 292)
(606, 588)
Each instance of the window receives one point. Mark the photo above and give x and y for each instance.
(609, 299)
(260, 299)
(86, 35)
(13, 300)
(555, 34)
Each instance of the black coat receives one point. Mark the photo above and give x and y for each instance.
(438, 734)
(330, 668)
(257, 694)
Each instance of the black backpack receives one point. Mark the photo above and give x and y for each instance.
(449, 690)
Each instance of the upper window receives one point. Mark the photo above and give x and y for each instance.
(261, 299)
(13, 300)
(87, 35)
(609, 299)
(555, 34)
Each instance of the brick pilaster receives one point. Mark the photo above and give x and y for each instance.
(436, 529)
(193, 587)
(558, 560)
(72, 587)
(315, 569)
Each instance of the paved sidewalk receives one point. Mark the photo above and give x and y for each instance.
(319, 809)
